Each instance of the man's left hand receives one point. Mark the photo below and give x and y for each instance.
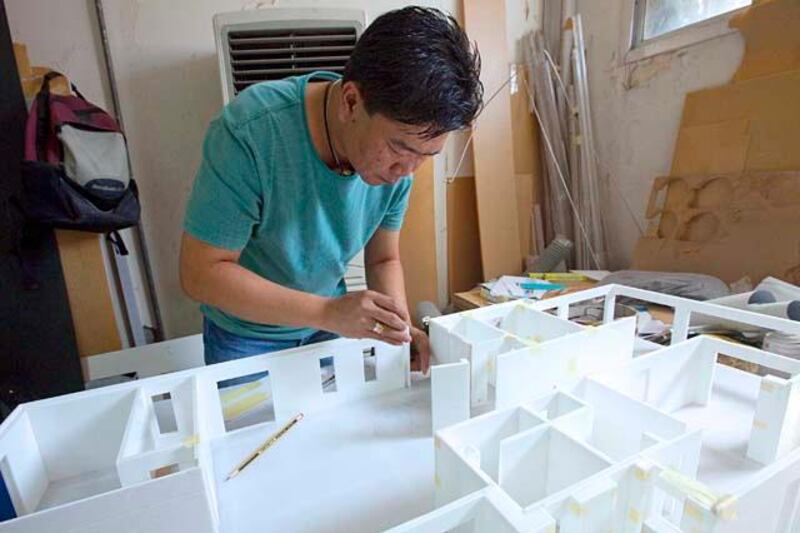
(420, 351)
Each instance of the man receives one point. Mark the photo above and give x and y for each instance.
(297, 177)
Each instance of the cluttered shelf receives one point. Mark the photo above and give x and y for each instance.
(566, 283)
(655, 322)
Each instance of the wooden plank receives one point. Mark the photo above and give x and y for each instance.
(527, 170)
(524, 190)
(729, 226)
(87, 289)
(463, 240)
(485, 22)
(418, 240)
(772, 42)
(727, 203)
(21, 57)
(525, 130)
(715, 148)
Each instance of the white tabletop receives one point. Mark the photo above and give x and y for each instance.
(363, 467)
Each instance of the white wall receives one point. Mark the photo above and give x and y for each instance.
(63, 35)
(637, 111)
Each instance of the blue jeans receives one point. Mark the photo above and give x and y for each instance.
(221, 345)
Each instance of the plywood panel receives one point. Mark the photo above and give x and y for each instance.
(772, 42)
(528, 177)
(87, 289)
(23, 62)
(762, 96)
(728, 260)
(712, 148)
(524, 191)
(729, 226)
(749, 128)
(417, 240)
(524, 128)
(492, 146)
(463, 241)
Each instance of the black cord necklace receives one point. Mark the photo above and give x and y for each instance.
(340, 168)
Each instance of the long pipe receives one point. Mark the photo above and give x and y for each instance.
(158, 328)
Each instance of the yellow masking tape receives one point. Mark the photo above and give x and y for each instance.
(692, 510)
(572, 366)
(634, 515)
(690, 487)
(766, 386)
(191, 440)
(725, 507)
(576, 509)
(760, 424)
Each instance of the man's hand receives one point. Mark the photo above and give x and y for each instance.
(420, 351)
(356, 314)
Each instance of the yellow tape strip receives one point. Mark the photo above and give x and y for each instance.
(576, 509)
(725, 507)
(691, 487)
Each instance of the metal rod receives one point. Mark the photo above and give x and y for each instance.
(158, 333)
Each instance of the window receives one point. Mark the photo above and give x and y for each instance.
(664, 16)
(659, 26)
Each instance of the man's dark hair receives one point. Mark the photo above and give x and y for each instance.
(416, 65)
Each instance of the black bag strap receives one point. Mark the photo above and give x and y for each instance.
(43, 117)
(116, 241)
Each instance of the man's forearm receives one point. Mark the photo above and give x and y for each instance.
(240, 292)
(387, 277)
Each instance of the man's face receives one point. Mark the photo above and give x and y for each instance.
(382, 150)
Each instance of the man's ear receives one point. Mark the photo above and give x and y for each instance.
(351, 102)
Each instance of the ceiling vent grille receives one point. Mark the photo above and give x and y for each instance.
(261, 55)
(274, 43)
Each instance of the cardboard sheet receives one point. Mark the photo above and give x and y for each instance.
(418, 240)
(729, 226)
(734, 188)
(492, 145)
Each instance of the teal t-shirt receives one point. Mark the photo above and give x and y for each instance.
(262, 189)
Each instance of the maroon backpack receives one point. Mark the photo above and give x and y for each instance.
(76, 173)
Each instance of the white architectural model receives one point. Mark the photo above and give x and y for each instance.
(576, 434)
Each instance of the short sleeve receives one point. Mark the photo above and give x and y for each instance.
(226, 199)
(393, 219)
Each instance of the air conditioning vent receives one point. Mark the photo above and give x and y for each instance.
(270, 54)
(277, 42)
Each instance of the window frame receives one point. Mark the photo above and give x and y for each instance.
(635, 48)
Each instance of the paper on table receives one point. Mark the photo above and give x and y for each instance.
(514, 287)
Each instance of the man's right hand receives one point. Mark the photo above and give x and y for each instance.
(355, 314)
